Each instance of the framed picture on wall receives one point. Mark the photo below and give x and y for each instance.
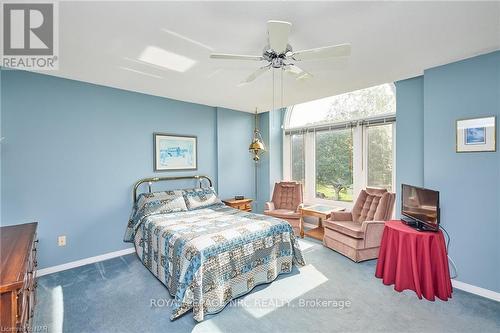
(175, 152)
(476, 135)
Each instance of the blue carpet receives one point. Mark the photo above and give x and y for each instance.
(119, 295)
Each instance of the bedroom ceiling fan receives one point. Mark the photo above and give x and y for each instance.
(279, 54)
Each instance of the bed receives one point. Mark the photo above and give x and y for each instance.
(204, 252)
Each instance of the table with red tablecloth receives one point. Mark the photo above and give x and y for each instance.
(416, 260)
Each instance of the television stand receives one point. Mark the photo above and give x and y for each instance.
(422, 258)
(419, 226)
(409, 222)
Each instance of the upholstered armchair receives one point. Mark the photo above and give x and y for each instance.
(357, 234)
(286, 203)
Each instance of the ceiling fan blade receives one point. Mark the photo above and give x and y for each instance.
(278, 32)
(341, 50)
(255, 75)
(298, 72)
(235, 56)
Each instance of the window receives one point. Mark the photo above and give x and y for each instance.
(298, 165)
(334, 165)
(359, 104)
(380, 152)
(338, 145)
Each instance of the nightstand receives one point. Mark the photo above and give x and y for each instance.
(243, 204)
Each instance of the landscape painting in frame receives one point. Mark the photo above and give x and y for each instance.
(476, 135)
(174, 152)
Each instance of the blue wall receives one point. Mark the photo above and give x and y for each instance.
(469, 183)
(270, 167)
(73, 150)
(1, 135)
(263, 166)
(275, 147)
(409, 138)
(235, 165)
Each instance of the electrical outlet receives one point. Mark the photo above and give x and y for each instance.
(61, 240)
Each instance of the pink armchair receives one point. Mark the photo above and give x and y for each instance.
(286, 203)
(357, 234)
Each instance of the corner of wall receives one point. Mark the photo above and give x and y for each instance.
(235, 168)
(409, 134)
(1, 139)
(469, 184)
(270, 167)
(263, 165)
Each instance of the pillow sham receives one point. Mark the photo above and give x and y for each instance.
(145, 198)
(200, 198)
(160, 202)
(154, 203)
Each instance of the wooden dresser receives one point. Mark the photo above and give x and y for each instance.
(18, 246)
(243, 204)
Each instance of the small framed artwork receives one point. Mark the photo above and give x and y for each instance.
(476, 135)
(175, 152)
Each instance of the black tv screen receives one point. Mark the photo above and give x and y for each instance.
(421, 204)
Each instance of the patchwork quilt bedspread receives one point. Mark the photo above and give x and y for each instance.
(207, 257)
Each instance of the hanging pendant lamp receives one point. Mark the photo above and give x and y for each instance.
(257, 147)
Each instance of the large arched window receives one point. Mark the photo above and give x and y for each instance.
(338, 145)
(355, 105)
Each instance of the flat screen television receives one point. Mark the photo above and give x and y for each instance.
(420, 206)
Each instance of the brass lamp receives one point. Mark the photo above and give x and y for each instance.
(257, 146)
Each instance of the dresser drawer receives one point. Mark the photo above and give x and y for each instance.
(26, 300)
(32, 263)
(26, 295)
(22, 309)
(18, 246)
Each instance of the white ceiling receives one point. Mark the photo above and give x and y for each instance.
(390, 41)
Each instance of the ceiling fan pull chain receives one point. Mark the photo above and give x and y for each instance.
(282, 88)
(273, 88)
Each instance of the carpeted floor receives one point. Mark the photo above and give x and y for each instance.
(120, 295)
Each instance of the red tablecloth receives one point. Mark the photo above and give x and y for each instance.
(415, 260)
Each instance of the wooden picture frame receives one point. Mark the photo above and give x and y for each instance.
(173, 152)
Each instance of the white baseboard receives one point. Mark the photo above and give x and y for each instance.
(476, 290)
(82, 262)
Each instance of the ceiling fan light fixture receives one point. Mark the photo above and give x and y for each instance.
(279, 54)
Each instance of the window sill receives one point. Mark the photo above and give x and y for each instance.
(333, 203)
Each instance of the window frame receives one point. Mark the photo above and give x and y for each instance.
(313, 195)
(365, 159)
(360, 163)
(360, 154)
(291, 154)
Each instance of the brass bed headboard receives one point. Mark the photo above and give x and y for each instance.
(152, 180)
